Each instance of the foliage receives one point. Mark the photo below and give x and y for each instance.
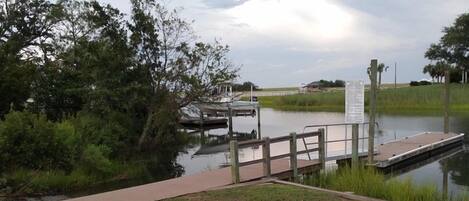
(95, 160)
(370, 182)
(28, 141)
(453, 47)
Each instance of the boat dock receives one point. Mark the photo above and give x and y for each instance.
(284, 166)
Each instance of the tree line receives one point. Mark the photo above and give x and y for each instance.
(80, 81)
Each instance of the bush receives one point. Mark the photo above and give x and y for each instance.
(113, 130)
(28, 141)
(95, 160)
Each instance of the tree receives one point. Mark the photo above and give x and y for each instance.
(25, 31)
(381, 68)
(453, 47)
(175, 69)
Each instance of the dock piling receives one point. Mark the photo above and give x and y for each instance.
(258, 110)
(266, 156)
(355, 145)
(234, 161)
(230, 121)
(446, 102)
(372, 113)
(293, 157)
(321, 147)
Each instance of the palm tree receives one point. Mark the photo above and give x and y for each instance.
(430, 69)
(381, 68)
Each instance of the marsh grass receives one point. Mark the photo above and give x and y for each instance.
(369, 182)
(416, 99)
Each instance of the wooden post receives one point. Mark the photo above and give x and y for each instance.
(230, 121)
(446, 102)
(293, 157)
(321, 146)
(259, 121)
(372, 110)
(234, 161)
(445, 180)
(266, 156)
(201, 123)
(355, 145)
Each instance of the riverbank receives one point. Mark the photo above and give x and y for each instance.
(404, 99)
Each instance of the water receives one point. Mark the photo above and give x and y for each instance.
(211, 154)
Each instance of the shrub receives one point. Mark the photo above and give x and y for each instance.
(28, 141)
(95, 160)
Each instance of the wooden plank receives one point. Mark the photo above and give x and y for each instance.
(198, 182)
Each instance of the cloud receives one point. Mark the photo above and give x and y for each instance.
(223, 3)
(287, 42)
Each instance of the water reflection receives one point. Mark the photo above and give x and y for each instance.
(208, 154)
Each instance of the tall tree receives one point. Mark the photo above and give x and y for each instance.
(25, 30)
(453, 47)
(177, 69)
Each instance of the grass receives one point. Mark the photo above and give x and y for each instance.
(421, 98)
(263, 192)
(371, 183)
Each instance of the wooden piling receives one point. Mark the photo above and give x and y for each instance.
(293, 157)
(355, 145)
(266, 156)
(321, 147)
(446, 102)
(234, 161)
(230, 121)
(258, 108)
(372, 109)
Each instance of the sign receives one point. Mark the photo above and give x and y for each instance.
(354, 102)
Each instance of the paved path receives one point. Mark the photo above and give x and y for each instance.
(194, 183)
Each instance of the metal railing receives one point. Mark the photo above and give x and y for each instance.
(345, 140)
(267, 158)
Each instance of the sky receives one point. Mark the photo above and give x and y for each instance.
(281, 43)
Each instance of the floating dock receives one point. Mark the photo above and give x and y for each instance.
(398, 152)
(395, 152)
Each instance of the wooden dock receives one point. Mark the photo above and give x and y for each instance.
(282, 166)
(398, 151)
(199, 182)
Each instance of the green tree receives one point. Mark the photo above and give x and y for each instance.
(25, 29)
(171, 65)
(453, 47)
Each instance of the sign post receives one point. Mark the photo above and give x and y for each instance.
(354, 112)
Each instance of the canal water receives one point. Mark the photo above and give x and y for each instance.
(210, 150)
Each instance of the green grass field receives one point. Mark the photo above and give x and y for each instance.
(263, 192)
(414, 99)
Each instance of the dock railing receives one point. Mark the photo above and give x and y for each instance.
(267, 158)
(355, 137)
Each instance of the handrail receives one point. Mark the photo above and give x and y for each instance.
(326, 126)
(266, 158)
(251, 143)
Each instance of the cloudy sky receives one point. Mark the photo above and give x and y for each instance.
(288, 42)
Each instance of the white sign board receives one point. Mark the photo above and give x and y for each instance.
(354, 102)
